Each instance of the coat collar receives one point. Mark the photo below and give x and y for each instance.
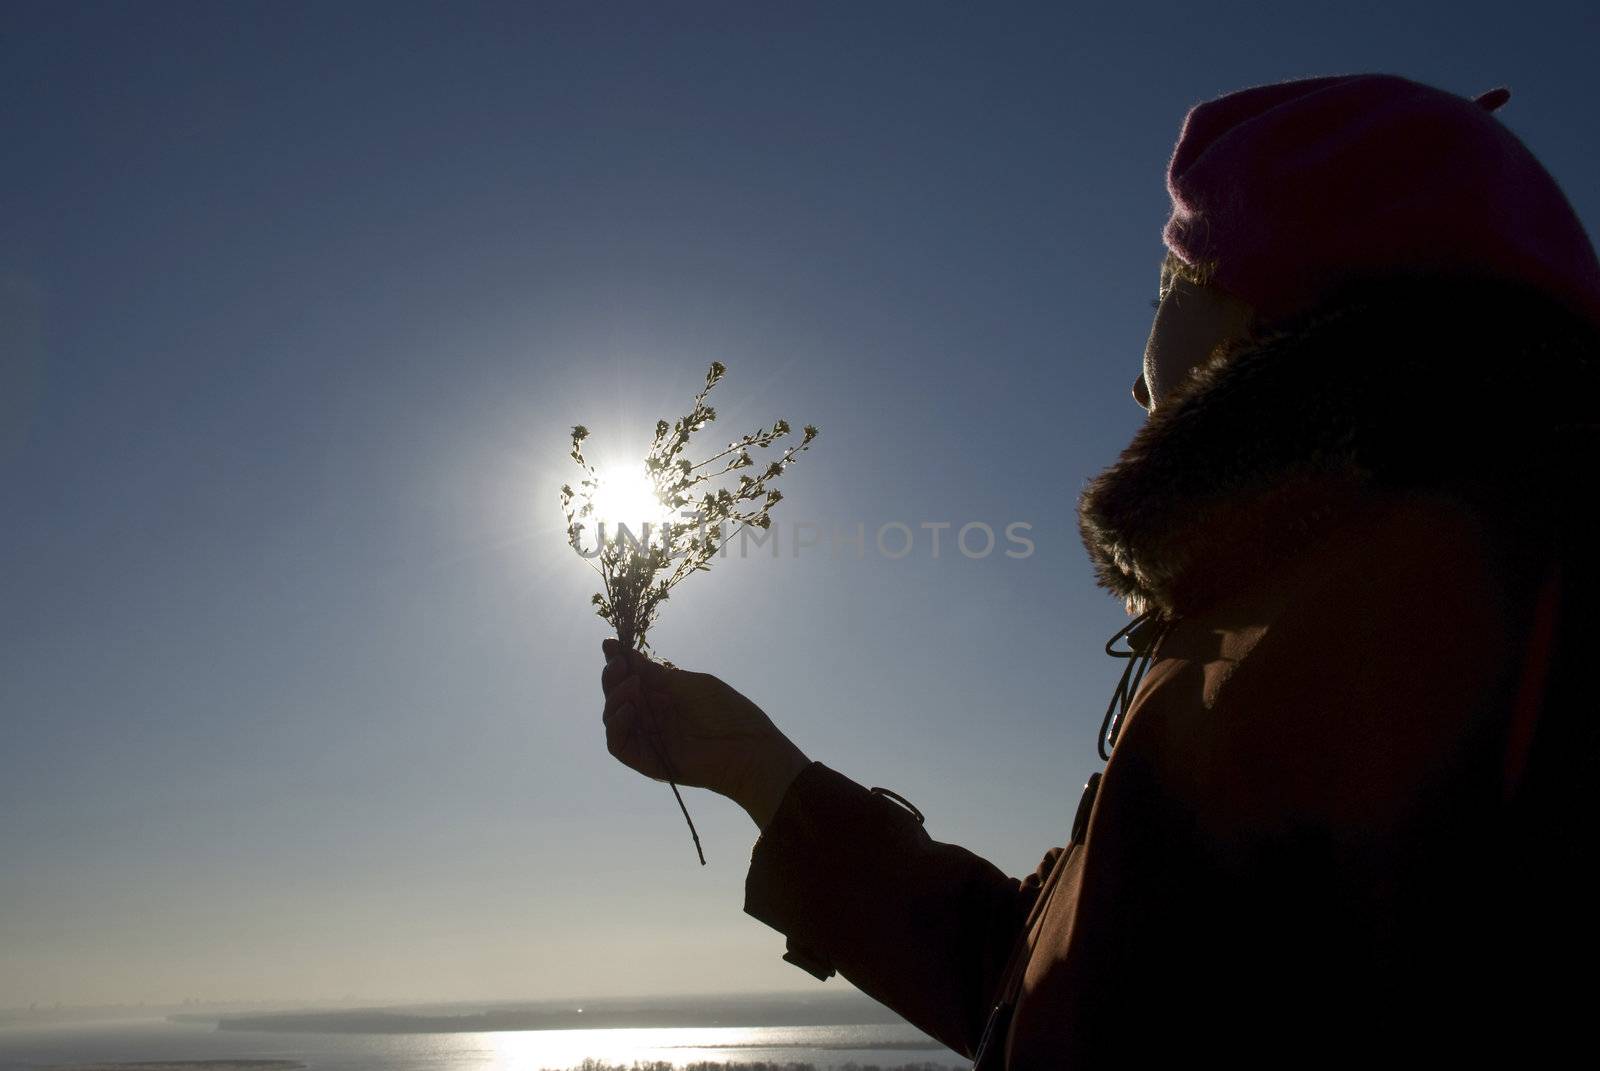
(1279, 438)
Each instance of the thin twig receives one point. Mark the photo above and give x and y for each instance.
(672, 774)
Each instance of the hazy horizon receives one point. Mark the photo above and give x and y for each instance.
(355, 1001)
(298, 304)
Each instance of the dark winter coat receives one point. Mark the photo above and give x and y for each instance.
(1348, 813)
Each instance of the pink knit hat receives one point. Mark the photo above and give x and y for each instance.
(1294, 188)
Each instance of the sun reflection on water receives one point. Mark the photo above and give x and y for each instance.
(556, 1050)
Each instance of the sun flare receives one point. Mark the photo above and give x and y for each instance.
(626, 498)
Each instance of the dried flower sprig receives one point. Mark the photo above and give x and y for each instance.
(638, 570)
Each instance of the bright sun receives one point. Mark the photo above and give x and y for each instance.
(625, 497)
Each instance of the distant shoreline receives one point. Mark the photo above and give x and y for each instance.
(188, 1065)
(377, 1021)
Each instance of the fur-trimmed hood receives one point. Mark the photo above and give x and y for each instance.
(1477, 388)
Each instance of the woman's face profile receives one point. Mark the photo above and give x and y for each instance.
(1191, 321)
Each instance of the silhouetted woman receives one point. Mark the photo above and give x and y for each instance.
(1348, 811)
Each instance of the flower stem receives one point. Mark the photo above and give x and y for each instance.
(672, 775)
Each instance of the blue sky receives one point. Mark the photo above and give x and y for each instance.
(297, 303)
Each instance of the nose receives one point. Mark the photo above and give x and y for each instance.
(1141, 393)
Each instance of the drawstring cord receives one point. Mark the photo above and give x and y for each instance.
(1142, 634)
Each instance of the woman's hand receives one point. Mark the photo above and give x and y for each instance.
(712, 736)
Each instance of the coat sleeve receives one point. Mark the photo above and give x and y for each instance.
(858, 886)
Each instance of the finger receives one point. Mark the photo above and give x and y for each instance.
(627, 692)
(622, 732)
(654, 673)
(617, 670)
(628, 743)
(621, 662)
